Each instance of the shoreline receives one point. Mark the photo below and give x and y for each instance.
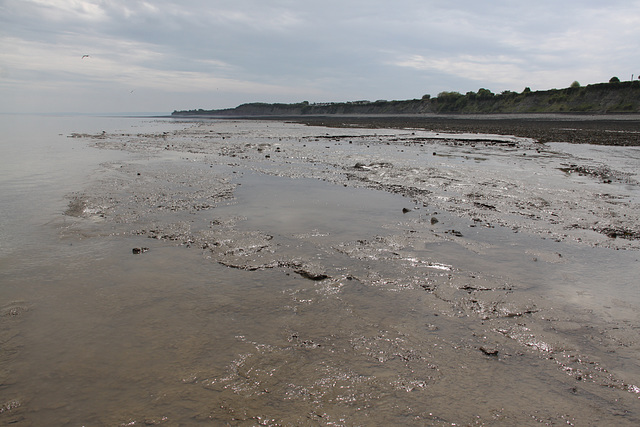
(430, 251)
(585, 130)
(288, 272)
(614, 130)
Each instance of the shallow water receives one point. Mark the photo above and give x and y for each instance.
(268, 296)
(288, 206)
(40, 164)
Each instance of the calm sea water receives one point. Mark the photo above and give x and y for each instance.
(40, 164)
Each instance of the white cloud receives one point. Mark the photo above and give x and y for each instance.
(65, 9)
(257, 19)
(123, 66)
(501, 69)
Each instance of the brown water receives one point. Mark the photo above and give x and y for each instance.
(270, 297)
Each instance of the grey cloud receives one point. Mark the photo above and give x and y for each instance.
(318, 50)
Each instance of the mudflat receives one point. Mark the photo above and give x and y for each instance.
(352, 271)
(582, 129)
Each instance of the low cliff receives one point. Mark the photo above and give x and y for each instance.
(603, 98)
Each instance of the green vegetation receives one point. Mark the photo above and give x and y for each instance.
(602, 98)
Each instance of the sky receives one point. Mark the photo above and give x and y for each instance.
(165, 55)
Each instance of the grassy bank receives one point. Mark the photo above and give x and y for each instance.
(602, 98)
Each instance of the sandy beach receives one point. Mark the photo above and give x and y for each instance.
(340, 271)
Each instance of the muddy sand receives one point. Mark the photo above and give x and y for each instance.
(618, 130)
(381, 276)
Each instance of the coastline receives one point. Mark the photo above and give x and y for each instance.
(473, 244)
(599, 129)
(343, 275)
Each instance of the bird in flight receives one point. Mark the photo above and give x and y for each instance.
(85, 56)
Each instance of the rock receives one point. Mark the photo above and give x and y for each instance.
(489, 351)
(311, 275)
(137, 251)
(405, 210)
(485, 206)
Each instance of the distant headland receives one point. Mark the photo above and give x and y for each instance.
(602, 98)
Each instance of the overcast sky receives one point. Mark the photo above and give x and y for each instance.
(163, 55)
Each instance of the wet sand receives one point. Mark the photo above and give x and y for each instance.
(300, 275)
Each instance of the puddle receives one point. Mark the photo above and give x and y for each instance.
(290, 207)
